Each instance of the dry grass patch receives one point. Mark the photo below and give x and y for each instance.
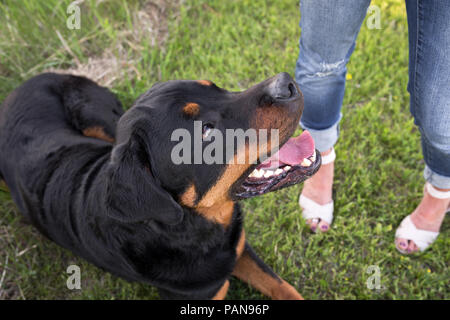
(150, 28)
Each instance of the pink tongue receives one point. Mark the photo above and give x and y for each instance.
(293, 152)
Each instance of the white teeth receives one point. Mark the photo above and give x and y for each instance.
(268, 173)
(258, 173)
(313, 158)
(306, 163)
(287, 168)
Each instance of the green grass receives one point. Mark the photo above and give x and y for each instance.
(237, 44)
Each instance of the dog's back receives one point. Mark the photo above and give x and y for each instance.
(41, 130)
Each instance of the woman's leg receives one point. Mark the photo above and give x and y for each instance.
(328, 34)
(429, 86)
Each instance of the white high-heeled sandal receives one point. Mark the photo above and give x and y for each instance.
(422, 238)
(311, 209)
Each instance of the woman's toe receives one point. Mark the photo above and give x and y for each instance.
(312, 224)
(323, 226)
(402, 244)
(412, 247)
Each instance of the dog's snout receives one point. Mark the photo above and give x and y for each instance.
(282, 87)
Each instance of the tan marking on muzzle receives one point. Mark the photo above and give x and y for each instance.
(233, 171)
(274, 117)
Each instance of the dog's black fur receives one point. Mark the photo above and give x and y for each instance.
(117, 204)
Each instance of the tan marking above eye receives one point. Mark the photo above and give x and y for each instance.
(205, 82)
(191, 109)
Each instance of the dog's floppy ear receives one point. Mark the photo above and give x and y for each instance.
(133, 193)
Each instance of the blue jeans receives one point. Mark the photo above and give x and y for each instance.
(329, 31)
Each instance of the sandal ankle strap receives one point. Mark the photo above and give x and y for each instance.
(329, 158)
(436, 193)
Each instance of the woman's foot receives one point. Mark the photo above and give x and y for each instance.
(428, 216)
(318, 188)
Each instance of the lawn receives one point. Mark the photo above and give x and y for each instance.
(128, 45)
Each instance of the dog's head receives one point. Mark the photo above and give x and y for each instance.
(193, 144)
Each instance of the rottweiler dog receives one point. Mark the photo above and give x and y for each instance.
(102, 182)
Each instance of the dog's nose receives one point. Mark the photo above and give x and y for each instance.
(283, 87)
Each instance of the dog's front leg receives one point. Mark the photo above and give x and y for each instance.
(222, 293)
(251, 269)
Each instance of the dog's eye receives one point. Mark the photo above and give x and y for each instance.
(207, 129)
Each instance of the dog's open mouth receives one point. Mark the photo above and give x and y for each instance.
(296, 161)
